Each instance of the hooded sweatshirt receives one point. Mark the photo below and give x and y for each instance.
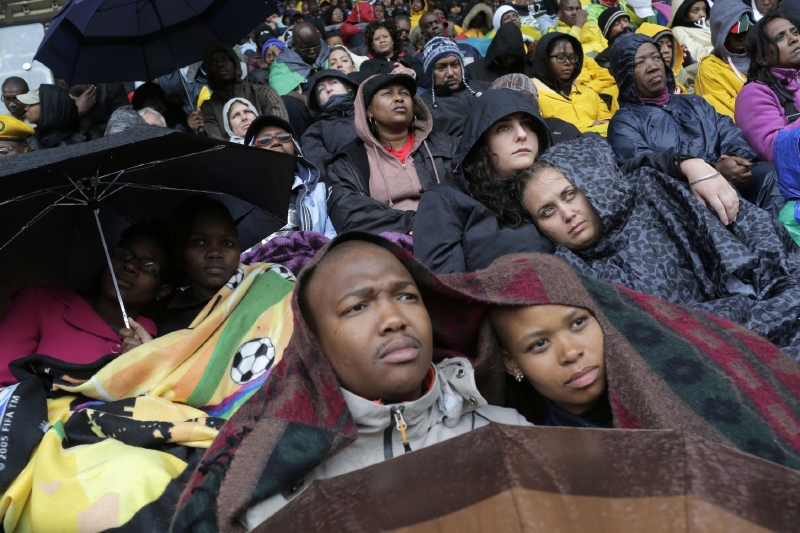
(695, 35)
(582, 106)
(232, 136)
(264, 98)
(416, 15)
(58, 119)
(723, 74)
(686, 125)
(468, 235)
(507, 42)
(298, 65)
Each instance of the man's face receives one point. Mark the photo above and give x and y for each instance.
(221, 67)
(511, 17)
(439, 13)
(14, 106)
(276, 139)
(766, 6)
(416, 5)
(13, 147)
(306, 43)
(371, 323)
(569, 11)
(620, 25)
(431, 26)
(734, 42)
(305, 8)
(448, 71)
(405, 30)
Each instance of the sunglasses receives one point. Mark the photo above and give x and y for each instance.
(267, 140)
(148, 265)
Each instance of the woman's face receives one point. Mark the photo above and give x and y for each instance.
(561, 211)
(666, 44)
(240, 116)
(787, 39)
(379, 12)
(392, 108)
(513, 144)
(338, 15)
(33, 112)
(327, 87)
(340, 60)
(416, 5)
(696, 11)
(382, 42)
(138, 287)
(562, 70)
(559, 350)
(211, 253)
(766, 6)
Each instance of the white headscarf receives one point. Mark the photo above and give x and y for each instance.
(233, 137)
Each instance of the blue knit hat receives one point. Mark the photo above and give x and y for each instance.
(436, 49)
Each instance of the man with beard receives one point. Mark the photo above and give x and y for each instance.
(451, 97)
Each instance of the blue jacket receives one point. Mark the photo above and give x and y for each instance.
(687, 125)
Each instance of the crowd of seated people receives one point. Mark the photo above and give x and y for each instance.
(640, 149)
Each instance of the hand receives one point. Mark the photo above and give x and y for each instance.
(400, 69)
(685, 51)
(531, 53)
(735, 169)
(599, 122)
(86, 101)
(133, 337)
(716, 192)
(195, 120)
(271, 53)
(580, 18)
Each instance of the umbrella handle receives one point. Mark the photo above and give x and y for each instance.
(111, 268)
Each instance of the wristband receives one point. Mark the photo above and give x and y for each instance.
(704, 178)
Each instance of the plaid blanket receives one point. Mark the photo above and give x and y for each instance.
(126, 432)
(668, 367)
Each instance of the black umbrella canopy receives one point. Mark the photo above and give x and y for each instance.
(98, 41)
(49, 233)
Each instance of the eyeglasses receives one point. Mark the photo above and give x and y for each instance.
(299, 49)
(9, 99)
(148, 265)
(5, 150)
(563, 58)
(267, 140)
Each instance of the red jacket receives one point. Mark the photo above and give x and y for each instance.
(54, 320)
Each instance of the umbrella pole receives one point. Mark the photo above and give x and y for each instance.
(201, 131)
(111, 268)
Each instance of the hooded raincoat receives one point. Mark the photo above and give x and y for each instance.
(365, 188)
(682, 79)
(659, 240)
(582, 106)
(696, 36)
(723, 74)
(761, 115)
(58, 120)
(506, 43)
(264, 98)
(454, 232)
(335, 126)
(686, 125)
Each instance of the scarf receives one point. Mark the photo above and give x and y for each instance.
(659, 100)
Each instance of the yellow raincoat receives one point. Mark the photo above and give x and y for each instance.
(582, 108)
(590, 36)
(719, 83)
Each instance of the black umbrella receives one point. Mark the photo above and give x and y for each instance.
(53, 203)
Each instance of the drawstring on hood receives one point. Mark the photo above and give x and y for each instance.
(397, 193)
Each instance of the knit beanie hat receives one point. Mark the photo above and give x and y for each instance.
(436, 49)
(608, 17)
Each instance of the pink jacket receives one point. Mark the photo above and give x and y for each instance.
(760, 114)
(54, 320)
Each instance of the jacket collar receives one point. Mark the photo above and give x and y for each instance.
(452, 394)
(82, 316)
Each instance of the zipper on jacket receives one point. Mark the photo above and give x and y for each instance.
(396, 420)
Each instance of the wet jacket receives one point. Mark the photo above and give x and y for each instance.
(452, 406)
(58, 120)
(350, 204)
(582, 106)
(696, 38)
(263, 98)
(722, 74)
(507, 42)
(686, 125)
(760, 114)
(454, 232)
(453, 107)
(334, 127)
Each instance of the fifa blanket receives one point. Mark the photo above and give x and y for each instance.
(122, 435)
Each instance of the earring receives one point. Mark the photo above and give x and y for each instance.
(415, 119)
(519, 377)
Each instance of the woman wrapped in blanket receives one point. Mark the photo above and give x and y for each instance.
(205, 247)
(57, 321)
(648, 233)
